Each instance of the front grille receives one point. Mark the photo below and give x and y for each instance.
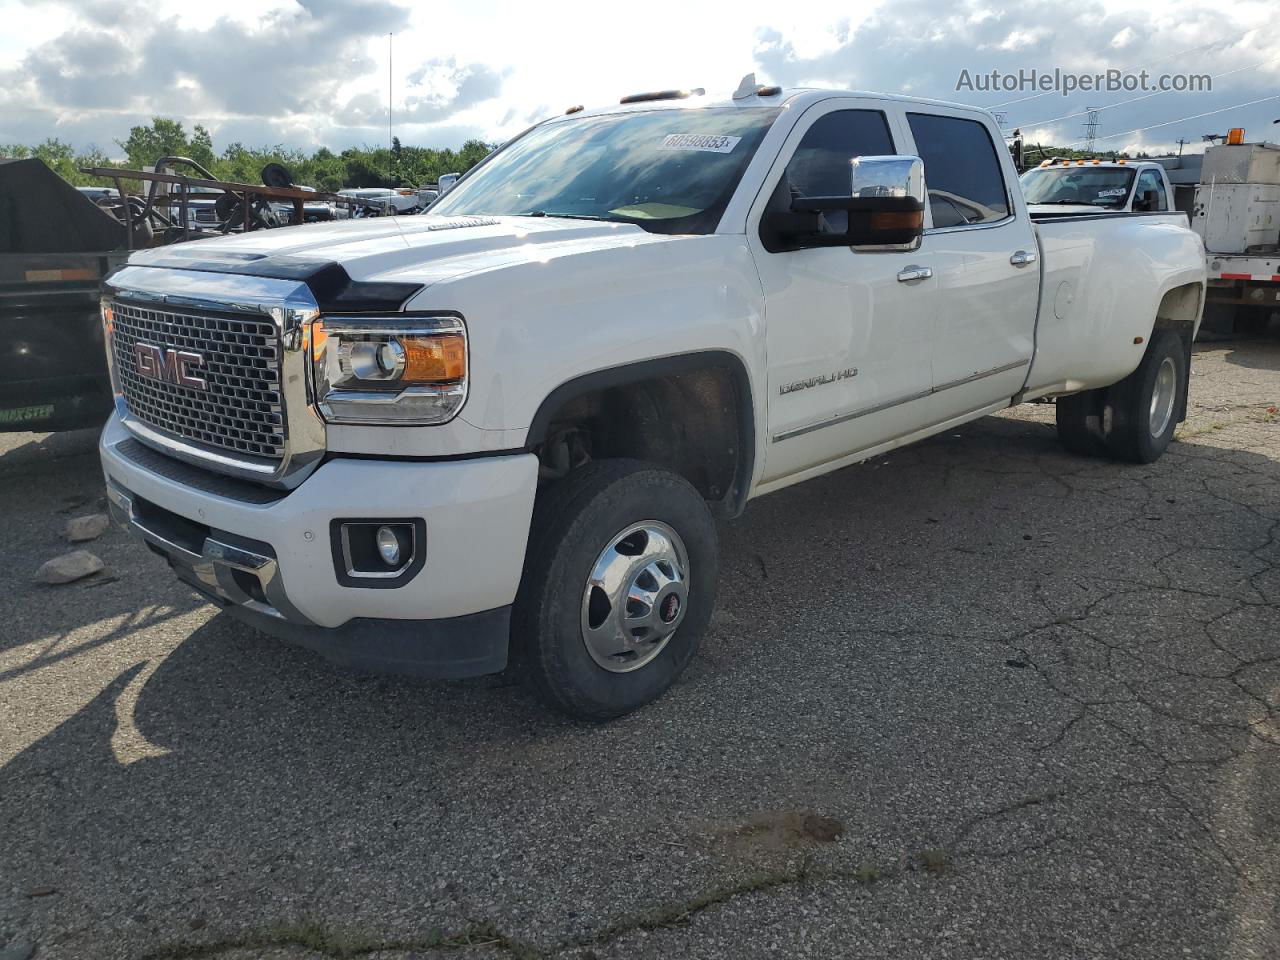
(241, 410)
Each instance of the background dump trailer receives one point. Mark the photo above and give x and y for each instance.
(1237, 214)
(55, 248)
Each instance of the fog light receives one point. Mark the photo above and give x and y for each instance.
(388, 546)
(378, 553)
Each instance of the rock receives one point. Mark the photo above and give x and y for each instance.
(69, 567)
(17, 951)
(80, 529)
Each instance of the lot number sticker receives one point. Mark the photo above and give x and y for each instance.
(698, 141)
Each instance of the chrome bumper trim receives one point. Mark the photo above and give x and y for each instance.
(214, 567)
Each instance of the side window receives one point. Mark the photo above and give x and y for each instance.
(820, 166)
(961, 170)
(1150, 181)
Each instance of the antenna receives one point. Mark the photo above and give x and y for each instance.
(1090, 129)
(747, 88)
(391, 157)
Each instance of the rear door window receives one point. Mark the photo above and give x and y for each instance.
(961, 170)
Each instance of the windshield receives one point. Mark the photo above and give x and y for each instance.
(1099, 186)
(668, 171)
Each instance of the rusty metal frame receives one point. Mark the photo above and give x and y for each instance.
(248, 194)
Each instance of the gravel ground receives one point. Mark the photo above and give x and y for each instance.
(977, 699)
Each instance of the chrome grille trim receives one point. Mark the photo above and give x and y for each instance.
(287, 305)
(242, 411)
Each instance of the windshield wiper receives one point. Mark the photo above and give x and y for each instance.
(565, 216)
(1068, 203)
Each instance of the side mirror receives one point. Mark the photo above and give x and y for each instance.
(884, 209)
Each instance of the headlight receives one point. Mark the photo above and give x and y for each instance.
(389, 370)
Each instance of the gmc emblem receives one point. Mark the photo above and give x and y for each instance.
(171, 366)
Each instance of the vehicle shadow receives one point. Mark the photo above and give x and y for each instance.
(1258, 354)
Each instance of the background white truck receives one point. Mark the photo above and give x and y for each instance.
(510, 422)
(1128, 186)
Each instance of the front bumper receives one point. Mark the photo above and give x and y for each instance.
(269, 561)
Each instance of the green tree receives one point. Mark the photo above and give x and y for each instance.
(161, 138)
(200, 147)
(399, 165)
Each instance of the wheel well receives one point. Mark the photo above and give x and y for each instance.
(1179, 311)
(1180, 307)
(692, 415)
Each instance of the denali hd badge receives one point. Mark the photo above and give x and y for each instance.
(171, 366)
(826, 378)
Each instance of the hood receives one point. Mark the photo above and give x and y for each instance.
(421, 249)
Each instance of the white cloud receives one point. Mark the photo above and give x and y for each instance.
(1124, 38)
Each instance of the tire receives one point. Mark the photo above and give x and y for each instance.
(565, 629)
(1142, 423)
(1079, 419)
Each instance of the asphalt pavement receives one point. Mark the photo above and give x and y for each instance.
(975, 699)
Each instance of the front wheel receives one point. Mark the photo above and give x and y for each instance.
(618, 588)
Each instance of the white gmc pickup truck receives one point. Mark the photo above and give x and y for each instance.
(417, 444)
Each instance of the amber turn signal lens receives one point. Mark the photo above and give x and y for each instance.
(434, 359)
(901, 220)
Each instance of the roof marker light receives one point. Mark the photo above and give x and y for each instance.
(663, 95)
(576, 108)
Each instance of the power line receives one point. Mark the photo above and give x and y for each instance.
(1145, 96)
(1196, 116)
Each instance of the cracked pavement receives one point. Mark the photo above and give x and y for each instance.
(1038, 693)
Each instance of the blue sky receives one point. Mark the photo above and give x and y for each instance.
(312, 72)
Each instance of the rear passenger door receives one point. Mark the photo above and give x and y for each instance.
(983, 251)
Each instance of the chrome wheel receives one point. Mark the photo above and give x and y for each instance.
(635, 597)
(1164, 393)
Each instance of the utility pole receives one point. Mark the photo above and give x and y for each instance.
(1182, 143)
(391, 156)
(1090, 130)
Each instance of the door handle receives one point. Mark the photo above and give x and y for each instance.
(1022, 258)
(907, 274)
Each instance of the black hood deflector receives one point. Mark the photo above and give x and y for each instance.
(328, 280)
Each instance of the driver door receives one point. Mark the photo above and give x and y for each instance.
(847, 330)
